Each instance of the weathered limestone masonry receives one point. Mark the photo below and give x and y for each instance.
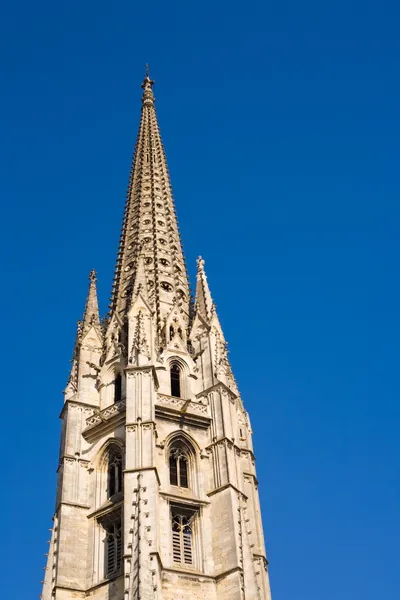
(157, 492)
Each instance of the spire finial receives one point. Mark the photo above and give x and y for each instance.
(147, 86)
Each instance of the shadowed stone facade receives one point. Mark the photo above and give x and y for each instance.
(157, 493)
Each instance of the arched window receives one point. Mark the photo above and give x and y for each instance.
(118, 388)
(178, 466)
(175, 374)
(114, 480)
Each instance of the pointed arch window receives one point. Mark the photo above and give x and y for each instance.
(175, 374)
(178, 466)
(114, 472)
(118, 387)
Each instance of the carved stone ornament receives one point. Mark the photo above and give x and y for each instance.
(106, 414)
(139, 344)
(147, 426)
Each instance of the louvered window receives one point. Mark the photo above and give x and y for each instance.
(178, 467)
(112, 527)
(182, 536)
(114, 549)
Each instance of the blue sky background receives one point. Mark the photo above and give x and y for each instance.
(281, 125)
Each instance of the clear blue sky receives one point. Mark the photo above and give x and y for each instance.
(281, 125)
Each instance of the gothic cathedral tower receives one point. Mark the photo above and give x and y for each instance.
(157, 492)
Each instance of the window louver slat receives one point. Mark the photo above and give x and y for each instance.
(182, 539)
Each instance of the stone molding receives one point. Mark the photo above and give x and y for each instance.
(183, 405)
(105, 415)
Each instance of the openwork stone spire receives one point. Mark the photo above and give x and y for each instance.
(150, 226)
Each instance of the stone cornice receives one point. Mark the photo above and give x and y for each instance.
(73, 504)
(130, 369)
(229, 442)
(189, 573)
(216, 387)
(70, 458)
(94, 587)
(192, 500)
(225, 487)
(71, 403)
(101, 421)
(70, 588)
(187, 418)
(141, 469)
(252, 476)
(181, 410)
(139, 423)
(228, 572)
(107, 507)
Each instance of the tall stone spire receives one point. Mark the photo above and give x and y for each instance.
(150, 226)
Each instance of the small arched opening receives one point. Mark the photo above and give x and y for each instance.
(179, 464)
(118, 387)
(175, 376)
(114, 471)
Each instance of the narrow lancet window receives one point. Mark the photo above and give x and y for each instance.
(175, 381)
(114, 483)
(178, 467)
(118, 388)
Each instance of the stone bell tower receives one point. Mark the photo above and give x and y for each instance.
(157, 493)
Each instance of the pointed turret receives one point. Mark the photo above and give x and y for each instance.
(206, 320)
(87, 349)
(91, 315)
(203, 300)
(150, 228)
